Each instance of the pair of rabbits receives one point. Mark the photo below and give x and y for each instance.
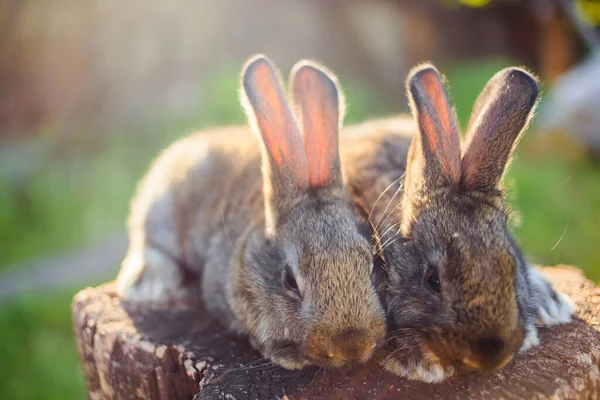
(323, 251)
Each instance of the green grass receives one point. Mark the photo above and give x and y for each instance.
(83, 193)
(38, 358)
(557, 202)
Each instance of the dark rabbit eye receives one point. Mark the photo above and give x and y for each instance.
(289, 281)
(432, 279)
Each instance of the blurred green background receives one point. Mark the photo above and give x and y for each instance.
(77, 182)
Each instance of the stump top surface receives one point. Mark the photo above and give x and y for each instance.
(178, 352)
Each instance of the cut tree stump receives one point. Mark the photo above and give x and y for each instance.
(181, 353)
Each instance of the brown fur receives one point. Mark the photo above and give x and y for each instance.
(433, 219)
(280, 257)
(206, 207)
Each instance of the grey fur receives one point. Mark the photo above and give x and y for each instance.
(207, 210)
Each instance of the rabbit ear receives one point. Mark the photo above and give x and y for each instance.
(319, 103)
(284, 161)
(435, 152)
(501, 112)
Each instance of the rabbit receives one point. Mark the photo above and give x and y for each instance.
(458, 293)
(268, 230)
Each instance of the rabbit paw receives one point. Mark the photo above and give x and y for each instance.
(422, 370)
(552, 307)
(531, 339)
(289, 362)
(149, 276)
(558, 309)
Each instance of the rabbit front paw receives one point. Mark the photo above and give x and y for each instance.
(289, 362)
(420, 370)
(531, 339)
(552, 307)
(149, 276)
(557, 309)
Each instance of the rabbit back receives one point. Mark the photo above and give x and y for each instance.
(374, 155)
(189, 211)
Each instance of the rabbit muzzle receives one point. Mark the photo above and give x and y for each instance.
(486, 352)
(344, 347)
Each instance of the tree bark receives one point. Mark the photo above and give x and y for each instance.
(181, 353)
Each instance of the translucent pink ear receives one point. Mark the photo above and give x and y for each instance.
(284, 167)
(270, 115)
(439, 146)
(319, 106)
(501, 112)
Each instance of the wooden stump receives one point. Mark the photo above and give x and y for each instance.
(181, 353)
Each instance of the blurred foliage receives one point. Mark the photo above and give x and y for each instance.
(475, 3)
(589, 11)
(75, 196)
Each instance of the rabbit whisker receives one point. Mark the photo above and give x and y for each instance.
(310, 379)
(385, 215)
(390, 239)
(388, 243)
(390, 213)
(381, 195)
(388, 206)
(260, 362)
(391, 357)
(400, 202)
(225, 227)
(562, 236)
(402, 329)
(390, 228)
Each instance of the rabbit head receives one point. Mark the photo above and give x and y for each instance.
(303, 285)
(457, 287)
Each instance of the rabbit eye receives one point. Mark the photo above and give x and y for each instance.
(432, 279)
(289, 281)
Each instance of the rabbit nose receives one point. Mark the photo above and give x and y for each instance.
(347, 346)
(489, 346)
(488, 354)
(353, 345)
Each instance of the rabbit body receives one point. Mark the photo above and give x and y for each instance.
(458, 292)
(265, 225)
(457, 289)
(191, 209)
